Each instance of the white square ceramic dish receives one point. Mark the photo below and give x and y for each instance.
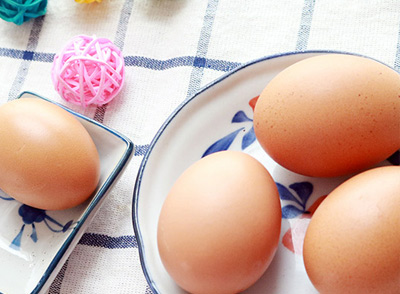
(35, 243)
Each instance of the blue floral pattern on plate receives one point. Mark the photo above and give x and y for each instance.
(295, 196)
(248, 138)
(297, 207)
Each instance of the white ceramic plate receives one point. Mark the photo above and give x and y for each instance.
(219, 117)
(34, 243)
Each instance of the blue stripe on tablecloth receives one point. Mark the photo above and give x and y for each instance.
(13, 53)
(119, 41)
(135, 61)
(27, 57)
(156, 64)
(397, 57)
(305, 25)
(95, 240)
(122, 28)
(199, 61)
(140, 150)
(105, 241)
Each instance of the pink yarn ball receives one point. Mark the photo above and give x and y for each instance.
(88, 70)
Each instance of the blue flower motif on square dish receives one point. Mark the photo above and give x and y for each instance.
(31, 216)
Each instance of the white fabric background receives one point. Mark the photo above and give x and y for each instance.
(160, 40)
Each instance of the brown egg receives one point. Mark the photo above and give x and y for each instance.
(220, 224)
(352, 244)
(330, 115)
(47, 158)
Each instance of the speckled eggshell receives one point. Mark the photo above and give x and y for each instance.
(330, 115)
(352, 244)
(219, 226)
(47, 158)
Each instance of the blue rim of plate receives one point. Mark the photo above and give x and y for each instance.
(136, 193)
(96, 198)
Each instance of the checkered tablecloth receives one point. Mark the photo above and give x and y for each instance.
(171, 49)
